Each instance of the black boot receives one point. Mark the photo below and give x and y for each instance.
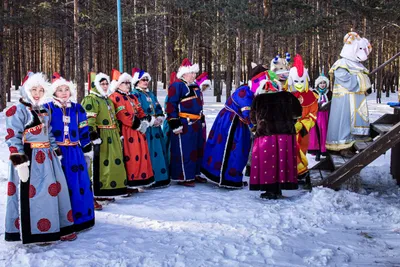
(318, 156)
(247, 172)
(269, 195)
(307, 185)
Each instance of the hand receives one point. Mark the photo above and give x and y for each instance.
(178, 130)
(298, 126)
(89, 154)
(143, 126)
(23, 171)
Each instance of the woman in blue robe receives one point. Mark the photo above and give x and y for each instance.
(38, 204)
(229, 141)
(70, 128)
(154, 134)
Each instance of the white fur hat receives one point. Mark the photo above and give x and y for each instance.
(187, 67)
(99, 77)
(57, 81)
(321, 78)
(33, 80)
(116, 83)
(138, 75)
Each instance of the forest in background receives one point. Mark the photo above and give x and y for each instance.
(74, 37)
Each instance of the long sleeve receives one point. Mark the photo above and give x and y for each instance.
(83, 129)
(243, 97)
(124, 112)
(172, 106)
(15, 124)
(92, 109)
(346, 80)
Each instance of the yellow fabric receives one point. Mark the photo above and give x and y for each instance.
(302, 165)
(298, 126)
(308, 123)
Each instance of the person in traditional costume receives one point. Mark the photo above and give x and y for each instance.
(70, 129)
(109, 175)
(38, 203)
(228, 145)
(274, 153)
(184, 108)
(133, 124)
(319, 131)
(204, 83)
(280, 66)
(349, 103)
(299, 86)
(154, 133)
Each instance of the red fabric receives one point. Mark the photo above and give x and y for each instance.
(138, 167)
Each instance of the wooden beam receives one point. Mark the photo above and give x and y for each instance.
(355, 164)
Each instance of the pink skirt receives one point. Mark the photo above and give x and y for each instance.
(318, 139)
(274, 163)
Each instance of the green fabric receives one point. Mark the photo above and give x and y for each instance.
(112, 175)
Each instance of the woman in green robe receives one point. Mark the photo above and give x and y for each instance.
(109, 176)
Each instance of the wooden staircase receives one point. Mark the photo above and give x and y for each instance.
(385, 135)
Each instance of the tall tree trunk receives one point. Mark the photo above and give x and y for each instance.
(238, 58)
(3, 94)
(78, 46)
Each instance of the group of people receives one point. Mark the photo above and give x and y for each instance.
(66, 156)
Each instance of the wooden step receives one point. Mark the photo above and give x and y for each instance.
(361, 145)
(381, 128)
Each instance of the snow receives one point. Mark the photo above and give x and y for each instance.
(208, 226)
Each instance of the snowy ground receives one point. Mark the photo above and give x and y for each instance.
(208, 226)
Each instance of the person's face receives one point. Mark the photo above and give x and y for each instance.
(104, 85)
(63, 93)
(143, 83)
(322, 85)
(189, 77)
(125, 86)
(37, 93)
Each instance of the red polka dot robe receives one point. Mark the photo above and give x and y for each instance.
(38, 210)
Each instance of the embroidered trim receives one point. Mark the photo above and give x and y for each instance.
(245, 108)
(119, 109)
(39, 144)
(91, 114)
(83, 124)
(106, 127)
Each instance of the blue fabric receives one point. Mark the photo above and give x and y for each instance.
(73, 162)
(228, 144)
(154, 135)
(186, 148)
(394, 104)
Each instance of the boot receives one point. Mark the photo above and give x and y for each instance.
(70, 237)
(97, 205)
(307, 185)
(318, 156)
(247, 172)
(269, 195)
(200, 179)
(187, 183)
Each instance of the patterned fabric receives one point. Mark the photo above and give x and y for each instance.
(349, 104)
(73, 160)
(228, 144)
(136, 151)
(38, 210)
(187, 147)
(155, 137)
(109, 175)
(274, 163)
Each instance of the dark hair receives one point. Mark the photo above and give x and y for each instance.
(102, 79)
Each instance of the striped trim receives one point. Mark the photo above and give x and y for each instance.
(83, 124)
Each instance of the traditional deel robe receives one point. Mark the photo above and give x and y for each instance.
(136, 151)
(38, 210)
(184, 107)
(309, 103)
(109, 175)
(319, 131)
(228, 144)
(70, 128)
(155, 136)
(349, 120)
(274, 154)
